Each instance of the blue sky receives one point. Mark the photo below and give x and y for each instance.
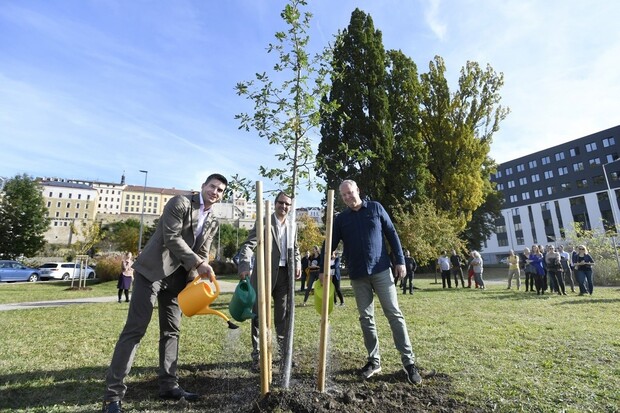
(92, 88)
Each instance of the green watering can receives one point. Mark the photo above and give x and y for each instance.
(318, 298)
(243, 301)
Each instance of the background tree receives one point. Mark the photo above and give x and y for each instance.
(88, 234)
(357, 140)
(426, 231)
(23, 218)
(408, 175)
(457, 130)
(309, 234)
(482, 223)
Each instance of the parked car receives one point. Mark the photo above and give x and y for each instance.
(63, 271)
(14, 271)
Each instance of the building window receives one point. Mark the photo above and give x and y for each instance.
(500, 187)
(562, 170)
(550, 190)
(602, 196)
(559, 156)
(68, 204)
(498, 174)
(57, 214)
(565, 186)
(532, 164)
(60, 195)
(525, 196)
(611, 157)
(79, 196)
(50, 195)
(535, 178)
(66, 215)
(598, 180)
(85, 216)
(513, 198)
(578, 166)
(594, 162)
(607, 142)
(523, 181)
(77, 206)
(590, 147)
(58, 205)
(544, 206)
(546, 160)
(511, 184)
(49, 204)
(508, 171)
(88, 197)
(538, 193)
(574, 151)
(502, 242)
(582, 183)
(548, 174)
(577, 201)
(520, 168)
(55, 223)
(76, 215)
(70, 195)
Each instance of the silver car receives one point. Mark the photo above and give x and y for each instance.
(14, 271)
(63, 271)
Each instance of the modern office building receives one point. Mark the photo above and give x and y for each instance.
(548, 191)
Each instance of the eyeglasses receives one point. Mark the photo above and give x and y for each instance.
(283, 203)
(582, 249)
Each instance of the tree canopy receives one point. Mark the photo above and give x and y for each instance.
(23, 218)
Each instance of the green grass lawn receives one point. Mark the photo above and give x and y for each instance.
(497, 350)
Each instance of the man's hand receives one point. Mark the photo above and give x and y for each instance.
(400, 271)
(298, 273)
(205, 271)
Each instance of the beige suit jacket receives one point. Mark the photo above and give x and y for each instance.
(172, 244)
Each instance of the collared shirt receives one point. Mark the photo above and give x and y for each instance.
(202, 217)
(364, 233)
(282, 241)
(444, 263)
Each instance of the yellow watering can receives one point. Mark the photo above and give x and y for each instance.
(196, 298)
(318, 298)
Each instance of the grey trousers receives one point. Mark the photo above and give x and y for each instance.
(146, 295)
(280, 314)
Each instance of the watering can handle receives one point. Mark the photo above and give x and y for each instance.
(215, 283)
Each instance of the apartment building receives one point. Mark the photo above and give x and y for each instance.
(548, 191)
(68, 204)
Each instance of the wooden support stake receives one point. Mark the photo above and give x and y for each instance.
(268, 269)
(260, 275)
(326, 291)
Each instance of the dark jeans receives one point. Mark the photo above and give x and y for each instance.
(541, 283)
(529, 281)
(456, 272)
(337, 292)
(558, 280)
(445, 278)
(408, 278)
(586, 284)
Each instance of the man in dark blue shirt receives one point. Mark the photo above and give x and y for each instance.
(364, 227)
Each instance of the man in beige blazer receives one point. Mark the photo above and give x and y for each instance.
(279, 270)
(174, 255)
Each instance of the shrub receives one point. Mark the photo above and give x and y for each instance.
(109, 267)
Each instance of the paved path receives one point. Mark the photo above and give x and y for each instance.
(225, 287)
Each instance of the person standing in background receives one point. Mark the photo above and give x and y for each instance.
(126, 277)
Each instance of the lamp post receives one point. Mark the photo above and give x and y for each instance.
(146, 174)
(613, 210)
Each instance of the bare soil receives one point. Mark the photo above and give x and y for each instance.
(224, 391)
